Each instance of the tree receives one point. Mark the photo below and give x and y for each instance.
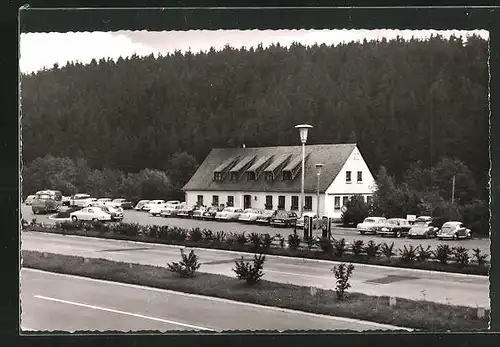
(180, 168)
(356, 211)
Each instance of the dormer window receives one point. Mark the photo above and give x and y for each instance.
(217, 176)
(287, 176)
(234, 176)
(268, 176)
(251, 176)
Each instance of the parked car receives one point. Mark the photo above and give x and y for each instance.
(229, 214)
(170, 210)
(150, 204)
(266, 216)
(89, 202)
(284, 219)
(186, 211)
(198, 212)
(140, 205)
(104, 201)
(422, 227)
(123, 203)
(249, 215)
(300, 220)
(90, 214)
(155, 209)
(211, 212)
(369, 225)
(396, 227)
(116, 213)
(454, 230)
(29, 199)
(46, 201)
(66, 201)
(79, 200)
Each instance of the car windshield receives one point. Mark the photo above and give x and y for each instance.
(392, 222)
(369, 220)
(282, 214)
(421, 222)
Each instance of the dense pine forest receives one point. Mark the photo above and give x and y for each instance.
(402, 102)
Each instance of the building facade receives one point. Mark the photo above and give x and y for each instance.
(270, 178)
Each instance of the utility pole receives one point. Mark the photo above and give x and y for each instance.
(453, 189)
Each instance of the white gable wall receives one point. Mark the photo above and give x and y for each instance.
(340, 188)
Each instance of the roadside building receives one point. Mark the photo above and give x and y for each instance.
(270, 178)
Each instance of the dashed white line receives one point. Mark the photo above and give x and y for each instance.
(123, 313)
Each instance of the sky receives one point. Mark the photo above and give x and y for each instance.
(39, 50)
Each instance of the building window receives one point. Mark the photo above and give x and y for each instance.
(369, 199)
(348, 176)
(287, 176)
(295, 203)
(199, 199)
(268, 176)
(269, 202)
(308, 206)
(230, 201)
(234, 176)
(251, 176)
(218, 176)
(360, 176)
(337, 203)
(281, 202)
(215, 200)
(345, 200)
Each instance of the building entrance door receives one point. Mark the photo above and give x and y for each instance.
(247, 201)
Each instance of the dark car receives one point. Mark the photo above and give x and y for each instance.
(265, 217)
(422, 227)
(186, 211)
(396, 227)
(284, 219)
(211, 212)
(124, 203)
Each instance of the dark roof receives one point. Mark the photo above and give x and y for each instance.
(332, 157)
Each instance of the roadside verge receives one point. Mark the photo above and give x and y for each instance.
(419, 315)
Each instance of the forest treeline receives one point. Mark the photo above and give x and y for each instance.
(402, 102)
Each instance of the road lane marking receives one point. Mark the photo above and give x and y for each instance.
(270, 256)
(123, 312)
(226, 301)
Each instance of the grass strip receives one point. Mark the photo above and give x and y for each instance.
(431, 265)
(421, 315)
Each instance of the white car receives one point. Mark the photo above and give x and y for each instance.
(90, 214)
(170, 210)
(29, 199)
(140, 205)
(104, 201)
(150, 204)
(116, 213)
(369, 225)
(89, 202)
(156, 209)
(249, 215)
(454, 231)
(229, 213)
(79, 200)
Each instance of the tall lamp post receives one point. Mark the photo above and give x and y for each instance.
(318, 174)
(303, 129)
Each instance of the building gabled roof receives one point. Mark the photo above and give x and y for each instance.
(333, 157)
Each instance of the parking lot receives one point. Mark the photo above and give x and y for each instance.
(143, 218)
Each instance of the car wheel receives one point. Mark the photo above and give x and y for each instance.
(362, 232)
(74, 218)
(455, 236)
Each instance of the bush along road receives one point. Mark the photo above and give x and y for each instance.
(248, 286)
(442, 258)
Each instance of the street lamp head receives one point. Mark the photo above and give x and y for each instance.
(318, 169)
(303, 129)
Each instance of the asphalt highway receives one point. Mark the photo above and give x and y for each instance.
(456, 289)
(55, 302)
(350, 235)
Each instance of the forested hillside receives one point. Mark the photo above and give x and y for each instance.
(401, 101)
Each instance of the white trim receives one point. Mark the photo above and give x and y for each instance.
(273, 308)
(333, 262)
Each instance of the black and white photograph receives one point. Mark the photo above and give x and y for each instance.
(255, 180)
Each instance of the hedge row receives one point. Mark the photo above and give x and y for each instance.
(442, 258)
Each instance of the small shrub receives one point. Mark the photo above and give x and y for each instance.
(208, 235)
(66, 225)
(33, 221)
(358, 247)
(266, 241)
(293, 241)
(187, 266)
(220, 236)
(231, 238)
(127, 229)
(342, 274)
(153, 231)
(88, 226)
(461, 256)
(326, 245)
(281, 240)
(250, 273)
(195, 235)
(340, 247)
(99, 226)
(408, 255)
(388, 250)
(372, 249)
(480, 258)
(254, 240)
(165, 233)
(241, 238)
(309, 241)
(179, 234)
(443, 253)
(423, 254)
